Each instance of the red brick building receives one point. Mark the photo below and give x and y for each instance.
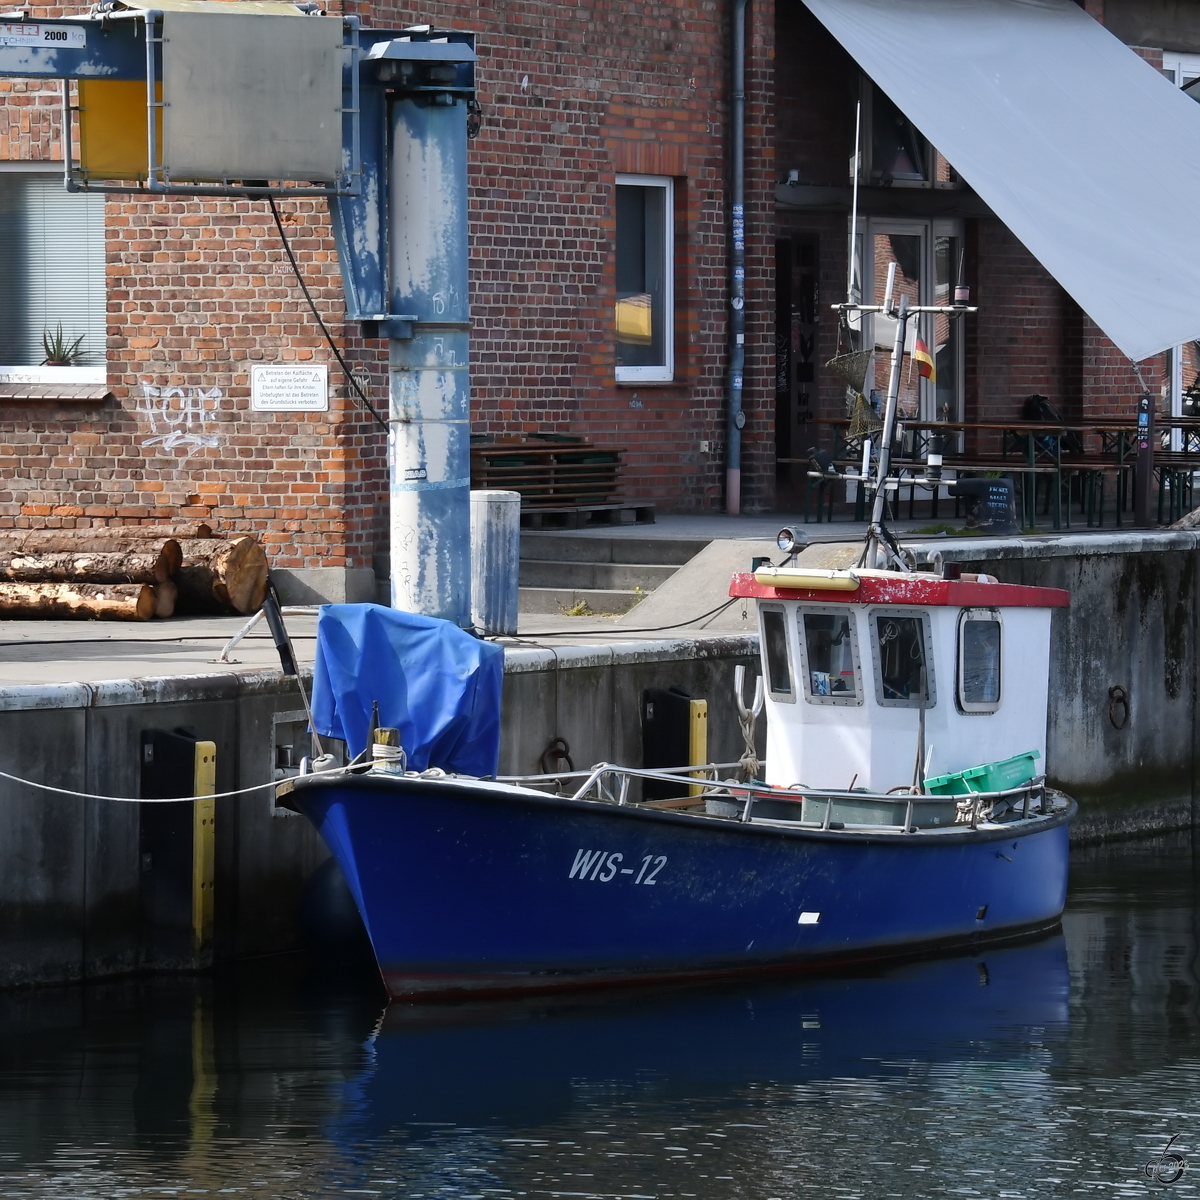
(177, 300)
(198, 291)
(1029, 335)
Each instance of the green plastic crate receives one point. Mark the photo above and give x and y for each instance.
(991, 777)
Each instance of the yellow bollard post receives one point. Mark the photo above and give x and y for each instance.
(204, 811)
(697, 741)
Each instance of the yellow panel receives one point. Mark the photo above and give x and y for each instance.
(635, 320)
(112, 128)
(204, 811)
(697, 741)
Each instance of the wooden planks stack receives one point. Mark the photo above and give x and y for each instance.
(129, 572)
(558, 474)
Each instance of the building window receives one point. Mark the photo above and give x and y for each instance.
(896, 154)
(1182, 70)
(645, 267)
(52, 265)
(898, 151)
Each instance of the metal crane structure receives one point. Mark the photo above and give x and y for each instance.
(261, 99)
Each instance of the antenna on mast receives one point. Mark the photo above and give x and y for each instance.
(856, 163)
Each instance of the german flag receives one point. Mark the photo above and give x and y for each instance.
(924, 361)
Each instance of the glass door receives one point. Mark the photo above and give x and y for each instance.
(905, 243)
(946, 337)
(929, 262)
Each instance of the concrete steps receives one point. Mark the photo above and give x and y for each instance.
(562, 571)
(628, 577)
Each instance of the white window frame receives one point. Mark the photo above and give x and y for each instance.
(1181, 68)
(664, 372)
(38, 373)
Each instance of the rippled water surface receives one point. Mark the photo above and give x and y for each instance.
(1054, 1068)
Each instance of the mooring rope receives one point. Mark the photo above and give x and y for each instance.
(46, 787)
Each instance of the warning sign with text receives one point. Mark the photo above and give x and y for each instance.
(290, 388)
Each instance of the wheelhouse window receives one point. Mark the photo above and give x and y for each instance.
(645, 267)
(830, 650)
(775, 650)
(979, 638)
(903, 658)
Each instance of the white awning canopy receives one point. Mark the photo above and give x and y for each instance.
(1087, 153)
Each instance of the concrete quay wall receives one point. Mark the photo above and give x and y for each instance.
(71, 869)
(1133, 624)
(71, 887)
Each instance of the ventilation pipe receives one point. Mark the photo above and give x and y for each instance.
(737, 260)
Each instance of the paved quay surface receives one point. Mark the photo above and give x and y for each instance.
(59, 652)
(55, 652)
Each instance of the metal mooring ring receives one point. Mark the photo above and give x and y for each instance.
(1118, 699)
(557, 751)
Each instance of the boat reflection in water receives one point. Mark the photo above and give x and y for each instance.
(526, 1062)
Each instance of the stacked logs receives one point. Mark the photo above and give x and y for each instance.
(129, 573)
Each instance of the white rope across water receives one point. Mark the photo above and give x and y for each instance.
(46, 787)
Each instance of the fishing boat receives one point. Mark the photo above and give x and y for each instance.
(902, 806)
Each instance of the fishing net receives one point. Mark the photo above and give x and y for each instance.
(851, 368)
(864, 420)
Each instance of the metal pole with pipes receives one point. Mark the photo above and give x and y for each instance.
(737, 260)
(429, 456)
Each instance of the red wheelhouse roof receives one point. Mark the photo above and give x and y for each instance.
(910, 589)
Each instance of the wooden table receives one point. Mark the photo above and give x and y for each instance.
(1040, 446)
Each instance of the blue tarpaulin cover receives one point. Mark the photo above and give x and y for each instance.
(438, 685)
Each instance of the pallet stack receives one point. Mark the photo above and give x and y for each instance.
(564, 472)
(129, 573)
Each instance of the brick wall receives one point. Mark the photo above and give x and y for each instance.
(1030, 336)
(199, 291)
(612, 89)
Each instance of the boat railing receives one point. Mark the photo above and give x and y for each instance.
(693, 773)
(610, 783)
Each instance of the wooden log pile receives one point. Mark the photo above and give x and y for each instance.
(129, 573)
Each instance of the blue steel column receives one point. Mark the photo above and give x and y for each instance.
(429, 440)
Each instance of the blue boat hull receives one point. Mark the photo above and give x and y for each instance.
(473, 886)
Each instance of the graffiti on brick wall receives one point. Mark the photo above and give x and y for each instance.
(182, 419)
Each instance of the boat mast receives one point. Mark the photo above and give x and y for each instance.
(881, 548)
(878, 550)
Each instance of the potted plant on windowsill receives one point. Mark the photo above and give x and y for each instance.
(60, 350)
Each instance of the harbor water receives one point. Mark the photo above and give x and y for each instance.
(1057, 1067)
